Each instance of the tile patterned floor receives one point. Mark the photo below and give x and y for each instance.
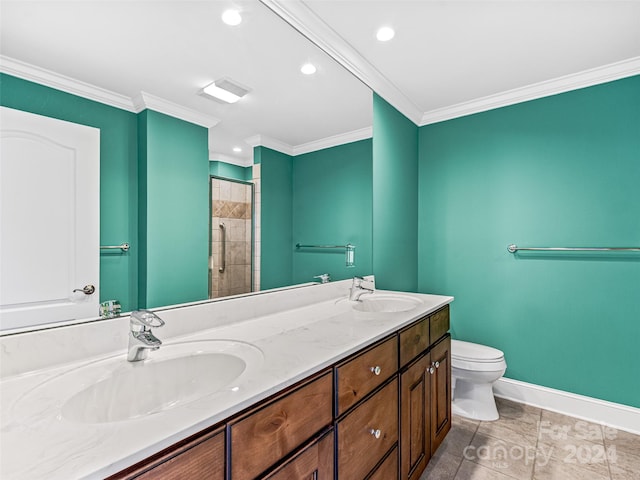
(528, 443)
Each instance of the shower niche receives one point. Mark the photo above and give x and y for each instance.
(230, 256)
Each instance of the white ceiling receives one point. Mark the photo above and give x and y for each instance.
(448, 58)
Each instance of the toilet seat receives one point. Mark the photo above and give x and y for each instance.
(474, 357)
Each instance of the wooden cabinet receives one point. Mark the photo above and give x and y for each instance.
(262, 437)
(388, 469)
(440, 392)
(415, 416)
(425, 391)
(314, 462)
(367, 433)
(361, 374)
(202, 458)
(414, 340)
(379, 414)
(438, 324)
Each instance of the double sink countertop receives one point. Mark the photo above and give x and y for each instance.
(287, 335)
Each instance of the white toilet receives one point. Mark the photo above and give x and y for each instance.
(474, 369)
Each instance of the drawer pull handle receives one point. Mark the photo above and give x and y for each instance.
(376, 370)
(376, 433)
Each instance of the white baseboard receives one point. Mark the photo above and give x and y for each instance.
(622, 417)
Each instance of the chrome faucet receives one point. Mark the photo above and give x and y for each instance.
(324, 278)
(357, 289)
(141, 340)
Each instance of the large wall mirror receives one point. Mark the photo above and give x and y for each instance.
(135, 71)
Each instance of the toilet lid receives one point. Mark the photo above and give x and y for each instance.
(474, 352)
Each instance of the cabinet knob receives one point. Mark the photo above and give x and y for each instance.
(376, 370)
(431, 370)
(376, 432)
(437, 364)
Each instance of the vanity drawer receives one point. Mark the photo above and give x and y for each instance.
(358, 448)
(357, 377)
(439, 324)
(267, 434)
(388, 470)
(200, 459)
(414, 340)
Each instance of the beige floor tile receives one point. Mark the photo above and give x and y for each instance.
(623, 441)
(458, 437)
(623, 465)
(521, 430)
(556, 425)
(509, 408)
(580, 453)
(552, 469)
(472, 471)
(463, 421)
(442, 466)
(503, 456)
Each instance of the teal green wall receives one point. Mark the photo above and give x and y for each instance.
(276, 221)
(332, 203)
(118, 175)
(228, 170)
(174, 185)
(395, 198)
(558, 171)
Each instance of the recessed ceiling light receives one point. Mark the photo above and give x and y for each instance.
(231, 17)
(308, 69)
(237, 149)
(384, 34)
(226, 90)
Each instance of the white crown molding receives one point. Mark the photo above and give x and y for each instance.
(622, 417)
(272, 143)
(575, 81)
(334, 141)
(313, 146)
(145, 100)
(303, 19)
(222, 157)
(55, 80)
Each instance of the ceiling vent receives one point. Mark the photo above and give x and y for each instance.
(225, 90)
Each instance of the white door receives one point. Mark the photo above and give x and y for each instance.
(49, 219)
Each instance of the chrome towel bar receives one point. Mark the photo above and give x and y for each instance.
(350, 251)
(514, 248)
(124, 247)
(298, 245)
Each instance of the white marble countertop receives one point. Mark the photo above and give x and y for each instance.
(296, 339)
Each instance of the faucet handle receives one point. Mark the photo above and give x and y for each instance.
(324, 278)
(146, 318)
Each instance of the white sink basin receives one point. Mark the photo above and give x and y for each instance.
(386, 303)
(113, 389)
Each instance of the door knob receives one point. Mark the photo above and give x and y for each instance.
(87, 290)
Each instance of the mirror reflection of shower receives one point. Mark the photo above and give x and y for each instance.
(230, 257)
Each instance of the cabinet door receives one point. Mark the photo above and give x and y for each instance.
(314, 462)
(440, 392)
(415, 412)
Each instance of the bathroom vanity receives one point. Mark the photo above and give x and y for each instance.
(342, 389)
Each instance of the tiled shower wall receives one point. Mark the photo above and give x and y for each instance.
(231, 206)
